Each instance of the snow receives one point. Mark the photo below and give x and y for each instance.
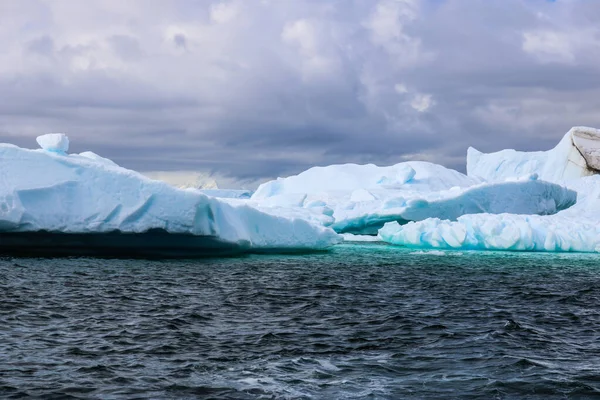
(57, 142)
(95, 157)
(48, 190)
(343, 178)
(360, 199)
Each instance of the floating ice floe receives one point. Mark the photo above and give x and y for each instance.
(52, 192)
(360, 199)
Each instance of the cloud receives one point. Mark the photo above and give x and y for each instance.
(223, 12)
(421, 102)
(254, 90)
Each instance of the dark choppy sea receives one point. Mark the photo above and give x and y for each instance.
(362, 321)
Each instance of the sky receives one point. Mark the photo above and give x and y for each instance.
(249, 90)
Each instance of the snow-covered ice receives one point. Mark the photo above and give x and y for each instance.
(57, 142)
(360, 199)
(48, 190)
(574, 229)
(519, 197)
(563, 163)
(349, 237)
(344, 178)
(509, 200)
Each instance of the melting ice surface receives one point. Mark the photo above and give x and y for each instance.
(48, 190)
(360, 199)
(542, 201)
(577, 228)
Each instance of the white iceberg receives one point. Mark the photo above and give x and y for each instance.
(57, 142)
(360, 199)
(346, 178)
(50, 191)
(574, 229)
(520, 197)
(349, 237)
(576, 155)
(89, 201)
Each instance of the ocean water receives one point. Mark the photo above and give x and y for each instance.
(362, 321)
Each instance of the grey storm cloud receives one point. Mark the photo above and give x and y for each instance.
(256, 89)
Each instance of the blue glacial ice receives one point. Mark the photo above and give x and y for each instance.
(574, 163)
(48, 190)
(360, 199)
(56, 142)
(574, 229)
(541, 201)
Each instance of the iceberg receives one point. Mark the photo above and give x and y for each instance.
(574, 162)
(343, 178)
(528, 196)
(57, 142)
(349, 237)
(60, 203)
(227, 193)
(80, 200)
(574, 229)
(360, 199)
(576, 155)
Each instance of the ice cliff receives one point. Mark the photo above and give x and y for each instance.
(575, 156)
(509, 200)
(360, 199)
(577, 228)
(48, 190)
(573, 229)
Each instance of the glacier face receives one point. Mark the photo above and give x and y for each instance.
(50, 191)
(360, 199)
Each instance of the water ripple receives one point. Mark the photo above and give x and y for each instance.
(362, 321)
